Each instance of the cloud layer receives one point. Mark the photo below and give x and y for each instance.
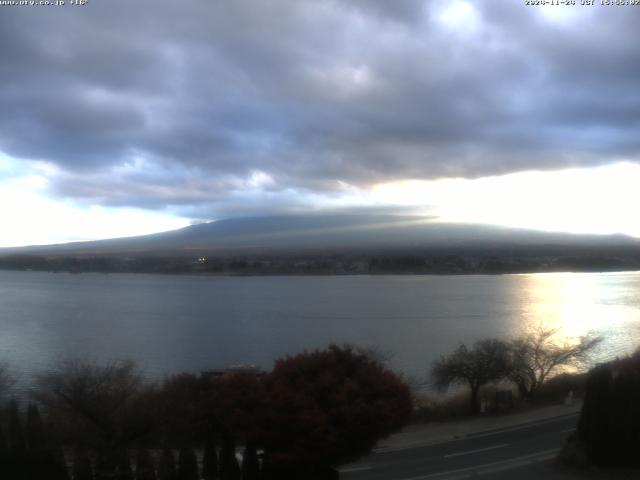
(219, 108)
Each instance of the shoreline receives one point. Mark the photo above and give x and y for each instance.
(325, 274)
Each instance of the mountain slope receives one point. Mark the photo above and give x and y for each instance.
(296, 233)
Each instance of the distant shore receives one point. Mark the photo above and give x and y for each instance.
(437, 263)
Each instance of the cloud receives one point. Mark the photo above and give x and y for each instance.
(179, 106)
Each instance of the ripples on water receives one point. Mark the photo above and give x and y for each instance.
(174, 323)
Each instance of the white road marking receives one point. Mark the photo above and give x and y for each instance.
(524, 426)
(469, 452)
(568, 430)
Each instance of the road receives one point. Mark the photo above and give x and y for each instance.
(484, 454)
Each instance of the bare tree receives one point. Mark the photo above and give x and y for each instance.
(96, 404)
(486, 361)
(538, 354)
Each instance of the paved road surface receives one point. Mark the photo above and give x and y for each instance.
(489, 454)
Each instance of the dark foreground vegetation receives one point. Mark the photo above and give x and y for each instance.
(608, 433)
(311, 413)
(440, 260)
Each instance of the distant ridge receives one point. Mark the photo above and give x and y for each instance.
(323, 233)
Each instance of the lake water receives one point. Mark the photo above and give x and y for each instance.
(175, 323)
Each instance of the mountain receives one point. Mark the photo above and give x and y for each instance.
(327, 233)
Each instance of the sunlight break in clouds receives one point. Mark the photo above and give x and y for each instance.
(599, 200)
(41, 220)
(30, 217)
(589, 200)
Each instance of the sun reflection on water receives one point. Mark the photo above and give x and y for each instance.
(576, 304)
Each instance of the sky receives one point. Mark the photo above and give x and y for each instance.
(121, 118)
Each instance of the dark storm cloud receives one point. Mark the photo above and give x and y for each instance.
(171, 103)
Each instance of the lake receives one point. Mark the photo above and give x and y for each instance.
(193, 323)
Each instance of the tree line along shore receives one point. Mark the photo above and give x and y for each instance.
(439, 262)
